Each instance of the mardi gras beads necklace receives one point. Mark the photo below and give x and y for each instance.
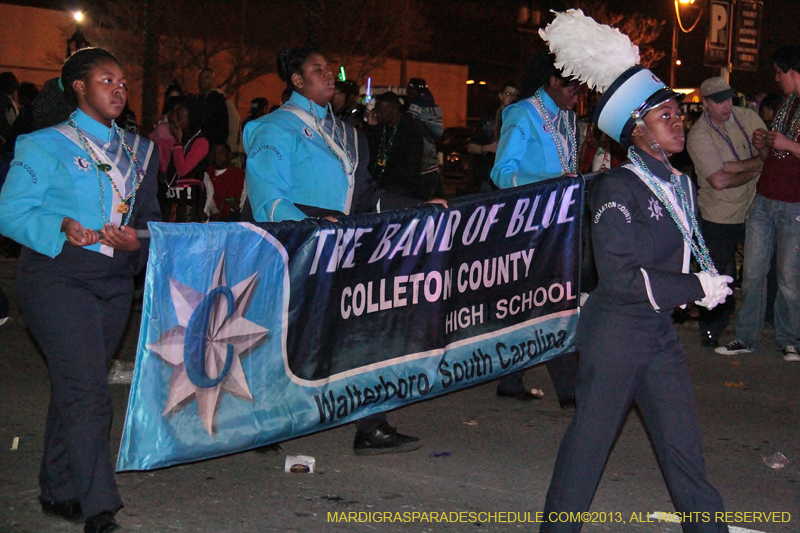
(383, 158)
(126, 203)
(780, 124)
(699, 248)
(727, 139)
(569, 161)
(337, 135)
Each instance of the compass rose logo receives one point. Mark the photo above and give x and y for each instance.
(206, 348)
(655, 209)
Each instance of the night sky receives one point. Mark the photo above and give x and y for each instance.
(484, 35)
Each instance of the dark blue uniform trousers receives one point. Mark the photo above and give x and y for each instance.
(76, 307)
(626, 358)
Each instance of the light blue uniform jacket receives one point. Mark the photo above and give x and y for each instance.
(51, 178)
(289, 163)
(527, 152)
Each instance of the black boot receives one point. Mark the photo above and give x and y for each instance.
(70, 510)
(384, 439)
(101, 523)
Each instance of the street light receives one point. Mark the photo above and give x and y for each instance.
(77, 41)
(678, 23)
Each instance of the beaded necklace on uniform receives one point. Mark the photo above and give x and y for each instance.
(383, 158)
(727, 139)
(779, 124)
(699, 249)
(336, 135)
(136, 168)
(569, 162)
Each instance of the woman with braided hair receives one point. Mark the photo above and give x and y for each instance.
(74, 197)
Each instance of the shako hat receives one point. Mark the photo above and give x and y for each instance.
(606, 60)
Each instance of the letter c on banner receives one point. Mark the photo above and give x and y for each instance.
(194, 347)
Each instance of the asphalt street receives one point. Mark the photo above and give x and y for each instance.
(482, 454)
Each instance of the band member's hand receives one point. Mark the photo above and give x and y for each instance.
(330, 218)
(716, 289)
(760, 138)
(76, 234)
(122, 238)
(439, 201)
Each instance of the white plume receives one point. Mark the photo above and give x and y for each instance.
(592, 52)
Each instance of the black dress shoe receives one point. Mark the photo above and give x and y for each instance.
(524, 396)
(384, 439)
(70, 510)
(708, 339)
(567, 403)
(101, 523)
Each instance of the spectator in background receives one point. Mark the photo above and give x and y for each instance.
(766, 110)
(172, 90)
(183, 196)
(127, 121)
(26, 94)
(49, 107)
(773, 223)
(8, 109)
(483, 144)
(768, 107)
(346, 105)
(396, 149)
(727, 166)
(422, 107)
(211, 107)
(162, 136)
(259, 107)
(224, 184)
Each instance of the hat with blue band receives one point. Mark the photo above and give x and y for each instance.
(606, 60)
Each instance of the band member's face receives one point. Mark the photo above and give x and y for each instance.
(665, 125)
(566, 94)
(316, 80)
(103, 93)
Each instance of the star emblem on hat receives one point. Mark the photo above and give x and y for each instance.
(206, 348)
(655, 209)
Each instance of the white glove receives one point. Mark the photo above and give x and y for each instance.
(715, 287)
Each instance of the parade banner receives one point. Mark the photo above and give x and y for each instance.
(257, 333)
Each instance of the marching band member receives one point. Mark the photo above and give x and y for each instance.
(644, 232)
(74, 197)
(303, 162)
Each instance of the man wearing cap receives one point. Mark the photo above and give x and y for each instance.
(773, 222)
(727, 166)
